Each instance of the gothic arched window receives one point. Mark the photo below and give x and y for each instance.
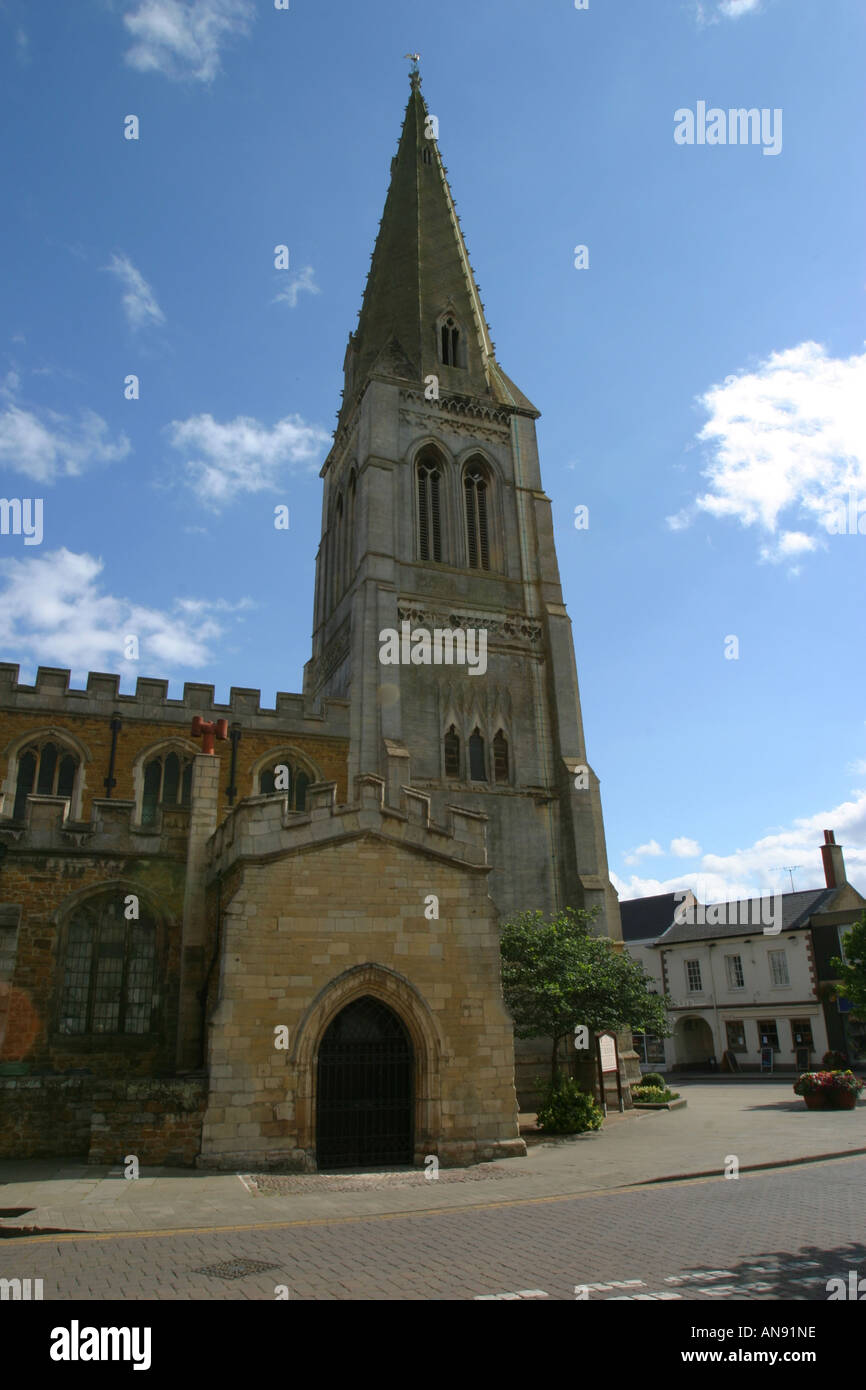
(108, 969)
(477, 760)
(449, 345)
(476, 492)
(452, 753)
(285, 776)
(429, 477)
(500, 758)
(167, 782)
(47, 768)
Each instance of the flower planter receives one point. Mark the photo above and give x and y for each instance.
(842, 1100)
(818, 1100)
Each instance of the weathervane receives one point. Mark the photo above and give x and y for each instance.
(415, 59)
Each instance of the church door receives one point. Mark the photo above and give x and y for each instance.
(364, 1092)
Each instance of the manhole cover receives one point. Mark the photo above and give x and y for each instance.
(234, 1269)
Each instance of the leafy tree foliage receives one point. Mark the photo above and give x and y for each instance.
(556, 975)
(853, 975)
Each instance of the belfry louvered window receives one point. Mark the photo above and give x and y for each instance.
(429, 511)
(476, 493)
(46, 768)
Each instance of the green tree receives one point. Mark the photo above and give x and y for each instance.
(556, 975)
(852, 976)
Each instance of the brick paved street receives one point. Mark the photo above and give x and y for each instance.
(779, 1234)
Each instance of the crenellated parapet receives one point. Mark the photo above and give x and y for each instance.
(263, 827)
(51, 694)
(112, 829)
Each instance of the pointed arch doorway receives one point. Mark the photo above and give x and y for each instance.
(364, 1091)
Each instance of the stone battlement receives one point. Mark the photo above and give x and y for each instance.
(261, 826)
(112, 829)
(51, 692)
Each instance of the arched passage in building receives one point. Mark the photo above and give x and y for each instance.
(364, 1089)
(693, 1040)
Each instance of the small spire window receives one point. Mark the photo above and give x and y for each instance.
(450, 343)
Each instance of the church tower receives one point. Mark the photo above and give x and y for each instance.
(434, 519)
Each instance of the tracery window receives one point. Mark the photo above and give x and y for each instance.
(285, 776)
(167, 782)
(108, 969)
(47, 768)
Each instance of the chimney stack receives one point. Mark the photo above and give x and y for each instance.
(834, 862)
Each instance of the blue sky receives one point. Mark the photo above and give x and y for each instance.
(702, 382)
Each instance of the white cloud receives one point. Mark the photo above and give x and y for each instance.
(301, 281)
(55, 611)
(788, 439)
(651, 848)
(684, 848)
(711, 11)
(183, 38)
(139, 301)
(758, 869)
(54, 445)
(224, 460)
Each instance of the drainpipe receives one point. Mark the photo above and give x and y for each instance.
(110, 780)
(717, 1036)
(231, 789)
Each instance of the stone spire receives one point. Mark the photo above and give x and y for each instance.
(420, 275)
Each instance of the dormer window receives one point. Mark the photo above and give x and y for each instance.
(449, 343)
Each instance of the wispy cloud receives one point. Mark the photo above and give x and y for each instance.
(786, 438)
(758, 868)
(139, 300)
(184, 38)
(55, 611)
(242, 455)
(299, 282)
(46, 445)
(712, 11)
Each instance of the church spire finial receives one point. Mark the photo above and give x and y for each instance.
(415, 75)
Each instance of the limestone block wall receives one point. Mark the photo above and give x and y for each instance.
(334, 909)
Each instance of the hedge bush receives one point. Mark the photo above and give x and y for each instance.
(566, 1109)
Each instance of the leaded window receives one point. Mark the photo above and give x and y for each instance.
(109, 969)
(287, 778)
(47, 768)
(167, 782)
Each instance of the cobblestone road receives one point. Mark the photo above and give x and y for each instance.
(781, 1234)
